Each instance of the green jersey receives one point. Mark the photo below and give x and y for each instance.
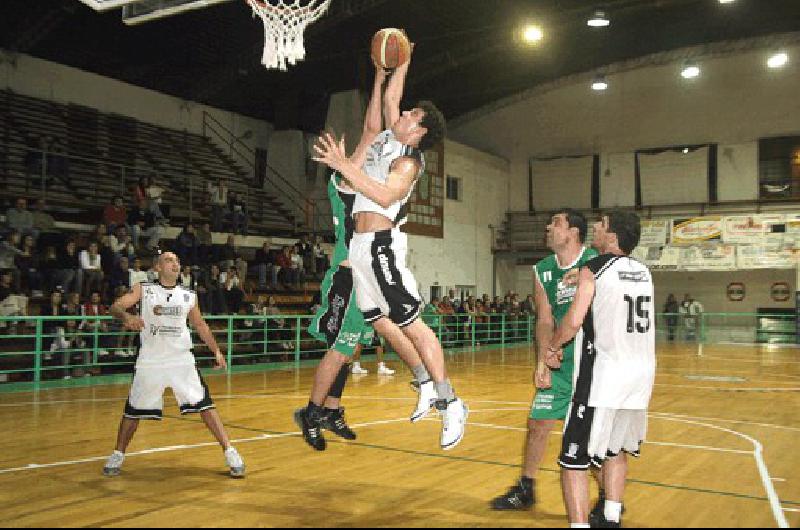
(561, 283)
(343, 224)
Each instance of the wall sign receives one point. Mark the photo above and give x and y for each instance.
(781, 292)
(736, 292)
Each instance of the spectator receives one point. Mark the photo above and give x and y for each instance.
(140, 192)
(92, 267)
(263, 264)
(99, 341)
(297, 267)
(306, 251)
(154, 194)
(70, 274)
(229, 256)
(12, 302)
(218, 197)
(20, 219)
(240, 218)
(45, 225)
(120, 276)
(497, 306)
(49, 267)
(205, 244)
(451, 298)
(187, 279)
(100, 231)
(186, 246)
(283, 267)
(528, 305)
(320, 257)
(211, 290)
(108, 257)
(28, 265)
(136, 274)
(671, 310)
(234, 295)
(115, 214)
(9, 250)
(73, 336)
(53, 330)
(121, 244)
(143, 225)
(277, 329)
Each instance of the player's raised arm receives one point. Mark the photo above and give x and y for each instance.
(199, 324)
(404, 172)
(394, 92)
(373, 120)
(574, 318)
(119, 309)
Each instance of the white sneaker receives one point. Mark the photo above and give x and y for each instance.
(427, 399)
(384, 370)
(113, 465)
(357, 370)
(235, 462)
(454, 421)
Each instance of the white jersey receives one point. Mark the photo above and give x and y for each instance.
(617, 360)
(166, 339)
(380, 157)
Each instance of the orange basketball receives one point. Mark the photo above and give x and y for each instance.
(391, 48)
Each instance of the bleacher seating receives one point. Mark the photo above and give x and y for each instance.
(102, 155)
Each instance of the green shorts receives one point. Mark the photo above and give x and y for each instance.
(338, 322)
(553, 403)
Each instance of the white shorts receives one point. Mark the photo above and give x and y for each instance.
(593, 434)
(146, 400)
(384, 285)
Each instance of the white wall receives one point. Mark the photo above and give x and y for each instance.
(464, 256)
(710, 288)
(63, 84)
(735, 101)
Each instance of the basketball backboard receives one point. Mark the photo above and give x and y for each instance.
(139, 11)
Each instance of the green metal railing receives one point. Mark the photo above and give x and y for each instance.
(34, 350)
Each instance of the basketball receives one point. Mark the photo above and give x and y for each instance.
(390, 48)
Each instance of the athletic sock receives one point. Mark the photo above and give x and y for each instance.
(579, 525)
(612, 511)
(420, 373)
(445, 391)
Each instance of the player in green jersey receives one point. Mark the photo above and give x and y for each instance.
(555, 287)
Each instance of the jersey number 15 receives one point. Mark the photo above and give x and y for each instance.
(640, 322)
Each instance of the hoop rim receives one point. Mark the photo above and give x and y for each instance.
(266, 6)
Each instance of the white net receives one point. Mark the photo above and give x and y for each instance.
(285, 21)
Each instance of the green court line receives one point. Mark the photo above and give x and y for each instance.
(502, 464)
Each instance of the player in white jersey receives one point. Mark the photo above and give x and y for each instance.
(386, 290)
(611, 321)
(166, 360)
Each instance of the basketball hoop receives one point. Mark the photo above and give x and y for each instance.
(285, 21)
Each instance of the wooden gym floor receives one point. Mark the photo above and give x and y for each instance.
(703, 466)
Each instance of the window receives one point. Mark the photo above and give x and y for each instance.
(779, 167)
(453, 188)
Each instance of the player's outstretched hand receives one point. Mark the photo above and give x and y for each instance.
(220, 364)
(133, 323)
(542, 377)
(331, 152)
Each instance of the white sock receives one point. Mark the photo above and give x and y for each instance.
(612, 511)
(116, 452)
(579, 525)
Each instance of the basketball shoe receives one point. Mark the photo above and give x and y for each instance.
(312, 432)
(334, 422)
(427, 399)
(113, 465)
(384, 370)
(454, 422)
(521, 496)
(235, 462)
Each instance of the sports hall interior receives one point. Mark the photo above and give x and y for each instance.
(684, 111)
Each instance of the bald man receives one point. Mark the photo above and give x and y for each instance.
(166, 360)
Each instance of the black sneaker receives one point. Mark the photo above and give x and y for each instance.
(334, 421)
(312, 433)
(597, 517)
(519, 497)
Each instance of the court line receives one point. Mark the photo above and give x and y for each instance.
(758, 450)
(733, 389)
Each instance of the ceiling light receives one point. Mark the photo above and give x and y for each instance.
(599, 20)
(690, 70)
(778, 60)
(532, 34)
(726, 1)
(685, 150)
(599, 83)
